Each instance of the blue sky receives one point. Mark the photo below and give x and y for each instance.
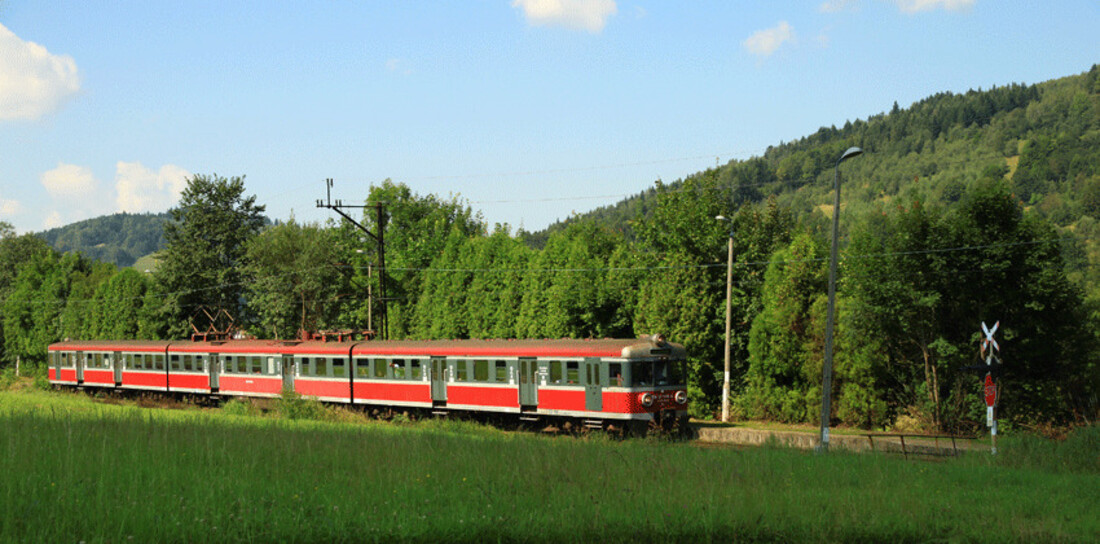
(527, 109)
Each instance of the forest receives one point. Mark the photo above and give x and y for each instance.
(963, 209)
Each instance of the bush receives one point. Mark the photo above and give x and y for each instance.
(239, 407)
(293, 406)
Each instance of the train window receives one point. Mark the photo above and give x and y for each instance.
(362, 368)
(303, 366)
(174, 362)
(643, 373)
(189, 363)
(555, 372)
(676, 374)
(379, 368)
(660, 372)
(338, 368)
(416, 369)
(615, 374)
(138, 362)
(460, 371)
(481, 370)
(320, 367)
(572, 372)
(158, 362)
(502, 371)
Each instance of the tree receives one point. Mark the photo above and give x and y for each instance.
(416, 231)
(783, 379)
(206, 244)
(294, 279)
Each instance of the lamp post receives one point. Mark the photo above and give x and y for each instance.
(729, 312)
(827, 370)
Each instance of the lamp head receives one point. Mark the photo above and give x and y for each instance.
(851, 152)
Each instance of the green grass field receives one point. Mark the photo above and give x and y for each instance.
(76, 470)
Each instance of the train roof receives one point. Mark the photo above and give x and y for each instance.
(109, 345)
(607, 347)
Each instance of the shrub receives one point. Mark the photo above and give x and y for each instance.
(293, 406)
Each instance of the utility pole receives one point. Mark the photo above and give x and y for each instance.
(379, 238)
(729, 316)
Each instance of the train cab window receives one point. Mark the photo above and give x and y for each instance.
(362, 368)
(379, 368)
(416, 370)
(615, 375)
(481, 370)
(572, 372)
(643, 373)
(339, 369)
(555, 372)
(677, 374)
(501, 372)
(667, 373)
(398, 366)
(460, 371)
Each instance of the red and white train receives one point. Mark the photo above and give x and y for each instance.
(629, 383)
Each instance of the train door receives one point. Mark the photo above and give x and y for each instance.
(79, 361)
(116, 364)
(528, 386)
(288, 372)
(593, 389)
(213, 365)
(439, 380)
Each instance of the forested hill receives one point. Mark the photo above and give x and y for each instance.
(121, 238)
(1045, 138)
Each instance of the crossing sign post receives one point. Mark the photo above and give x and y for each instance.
(990, 384)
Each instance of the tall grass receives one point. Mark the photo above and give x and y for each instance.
(72, 470)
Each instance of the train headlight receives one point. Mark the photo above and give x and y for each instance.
(646, 399)
(681, 397)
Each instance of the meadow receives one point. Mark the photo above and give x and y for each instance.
(74, 469)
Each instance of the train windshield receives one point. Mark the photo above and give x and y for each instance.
(649, 373)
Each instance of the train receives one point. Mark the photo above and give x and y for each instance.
(629, 384)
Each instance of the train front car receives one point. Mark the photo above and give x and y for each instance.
(647, 384)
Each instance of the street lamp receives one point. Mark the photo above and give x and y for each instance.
(729, 312)
(827, 370)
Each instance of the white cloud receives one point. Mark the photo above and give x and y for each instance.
(834, 6)
(53, 220)
(142, 190)
(33, 82)
(69, 182)
(915, 6)
(764, 42)
(76, 194)
(400, 66)
(10, 207)
(590, 15)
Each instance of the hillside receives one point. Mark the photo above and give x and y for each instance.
(121, 238)
(1043, 137)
